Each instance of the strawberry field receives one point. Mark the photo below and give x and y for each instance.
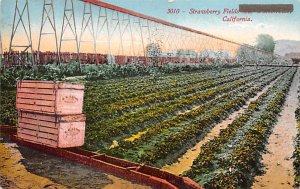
(231, 159)
(297, 148)
(155, 119)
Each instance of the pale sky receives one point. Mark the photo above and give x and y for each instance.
(280, 26)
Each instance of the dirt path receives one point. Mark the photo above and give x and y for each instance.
(14, 175)
(119, 183)
(186, 161)
(278, 165)
(21, 167)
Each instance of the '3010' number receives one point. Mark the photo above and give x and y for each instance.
(173, 11)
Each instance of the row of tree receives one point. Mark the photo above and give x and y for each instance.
(261, 53)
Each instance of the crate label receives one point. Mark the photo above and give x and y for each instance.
(70, 99)
(71, 132)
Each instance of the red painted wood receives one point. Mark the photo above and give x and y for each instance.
(137, 172)
(36, 116)
(34, 108)
(37, 102)
(38, 128)
(38, 122)
(67, 98)
(37, 133)
(53, 130)
(8, 129)
(34, 139)
(35, 96)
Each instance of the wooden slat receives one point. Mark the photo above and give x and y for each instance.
(34, 81)
(38, 128)
(49, 85)
(38, 85)
(36, 91)
(38, 122)
(53, 118)
(28, 126)
(35, 108)
(72, 118)
(36, 102)
(36, 96)
(48, 136)
(42, 117)
(49, 130)
(34, 139)
(38, 134)
(70, 86)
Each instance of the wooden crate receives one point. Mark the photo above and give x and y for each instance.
(49, 97)
(62, 131)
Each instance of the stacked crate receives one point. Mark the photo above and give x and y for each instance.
(50, 113)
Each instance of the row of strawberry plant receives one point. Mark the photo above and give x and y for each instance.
(296, 154)
(59, 72)
(154, 131)
(118, 91)
(103, 131)
(169, 141)
(96, 113)
(120, 107)
(233, 158)
(8, 113)
(131, 84)
(109, 71)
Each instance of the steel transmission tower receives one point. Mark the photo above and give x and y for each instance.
(21, 15)
(102, 24)
(69, 22)
(1, 47)
(116, 25)
(87, 24)
(126, 21)
(48, 15)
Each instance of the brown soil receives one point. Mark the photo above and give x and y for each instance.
(279, 172)
(21, 167)
(185, 162)
(119, 183)
(14, 175)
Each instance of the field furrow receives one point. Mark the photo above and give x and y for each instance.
(232, 159)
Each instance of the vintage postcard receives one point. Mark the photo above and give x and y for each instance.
(138, 94)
